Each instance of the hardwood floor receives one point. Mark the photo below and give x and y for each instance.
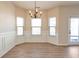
(42, 50)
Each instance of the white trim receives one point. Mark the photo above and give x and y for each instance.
(6, 46)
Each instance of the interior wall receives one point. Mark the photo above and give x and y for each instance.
(54, 12)
(20, 12)
(62, 14)
(7, 17)
(65, 13)
(7, 27)
(28, 37)
(36, 38)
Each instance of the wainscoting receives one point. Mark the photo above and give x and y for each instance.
(7, 41)
(28, 37)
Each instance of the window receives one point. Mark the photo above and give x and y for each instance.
(52, 26)
(74, 29)
(20, 25)
(36, 26)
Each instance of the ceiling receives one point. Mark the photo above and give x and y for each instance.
(43, 4)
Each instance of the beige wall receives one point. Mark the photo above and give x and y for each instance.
(28, 37)
(20, 12)
(7, 17)
(65, 13)
(43, 36)
(54, 13)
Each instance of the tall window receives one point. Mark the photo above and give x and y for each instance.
(36, 26)
(74, 29)
(20, 25)
(52, 26)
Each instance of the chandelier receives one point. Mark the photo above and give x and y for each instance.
(36, 13)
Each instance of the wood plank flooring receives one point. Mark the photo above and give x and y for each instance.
(42, 50)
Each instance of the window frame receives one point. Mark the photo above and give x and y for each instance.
(36, 27)
(51, 27)
(69, 30)
(19, 26)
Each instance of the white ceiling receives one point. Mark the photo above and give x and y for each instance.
(43, 4)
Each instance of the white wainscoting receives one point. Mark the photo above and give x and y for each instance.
(7, 41)
(1, 45)
(36, 38)
(28, 37)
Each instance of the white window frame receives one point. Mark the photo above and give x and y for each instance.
(19, 26)
(36, 27)
(51, 27)
(69, 30)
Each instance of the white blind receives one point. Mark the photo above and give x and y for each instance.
(36, 22)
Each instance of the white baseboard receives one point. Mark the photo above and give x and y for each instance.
(58, 44)
(62, 45)
(6, 50)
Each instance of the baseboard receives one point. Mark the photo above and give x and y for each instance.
(6, 50)
(58, 44)
(32, 43)
(42, 43)
(19, 43)
(52, 43)
(62, 45)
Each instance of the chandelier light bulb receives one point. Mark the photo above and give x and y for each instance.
(30, 12)
(41, 12)
(36, 10)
